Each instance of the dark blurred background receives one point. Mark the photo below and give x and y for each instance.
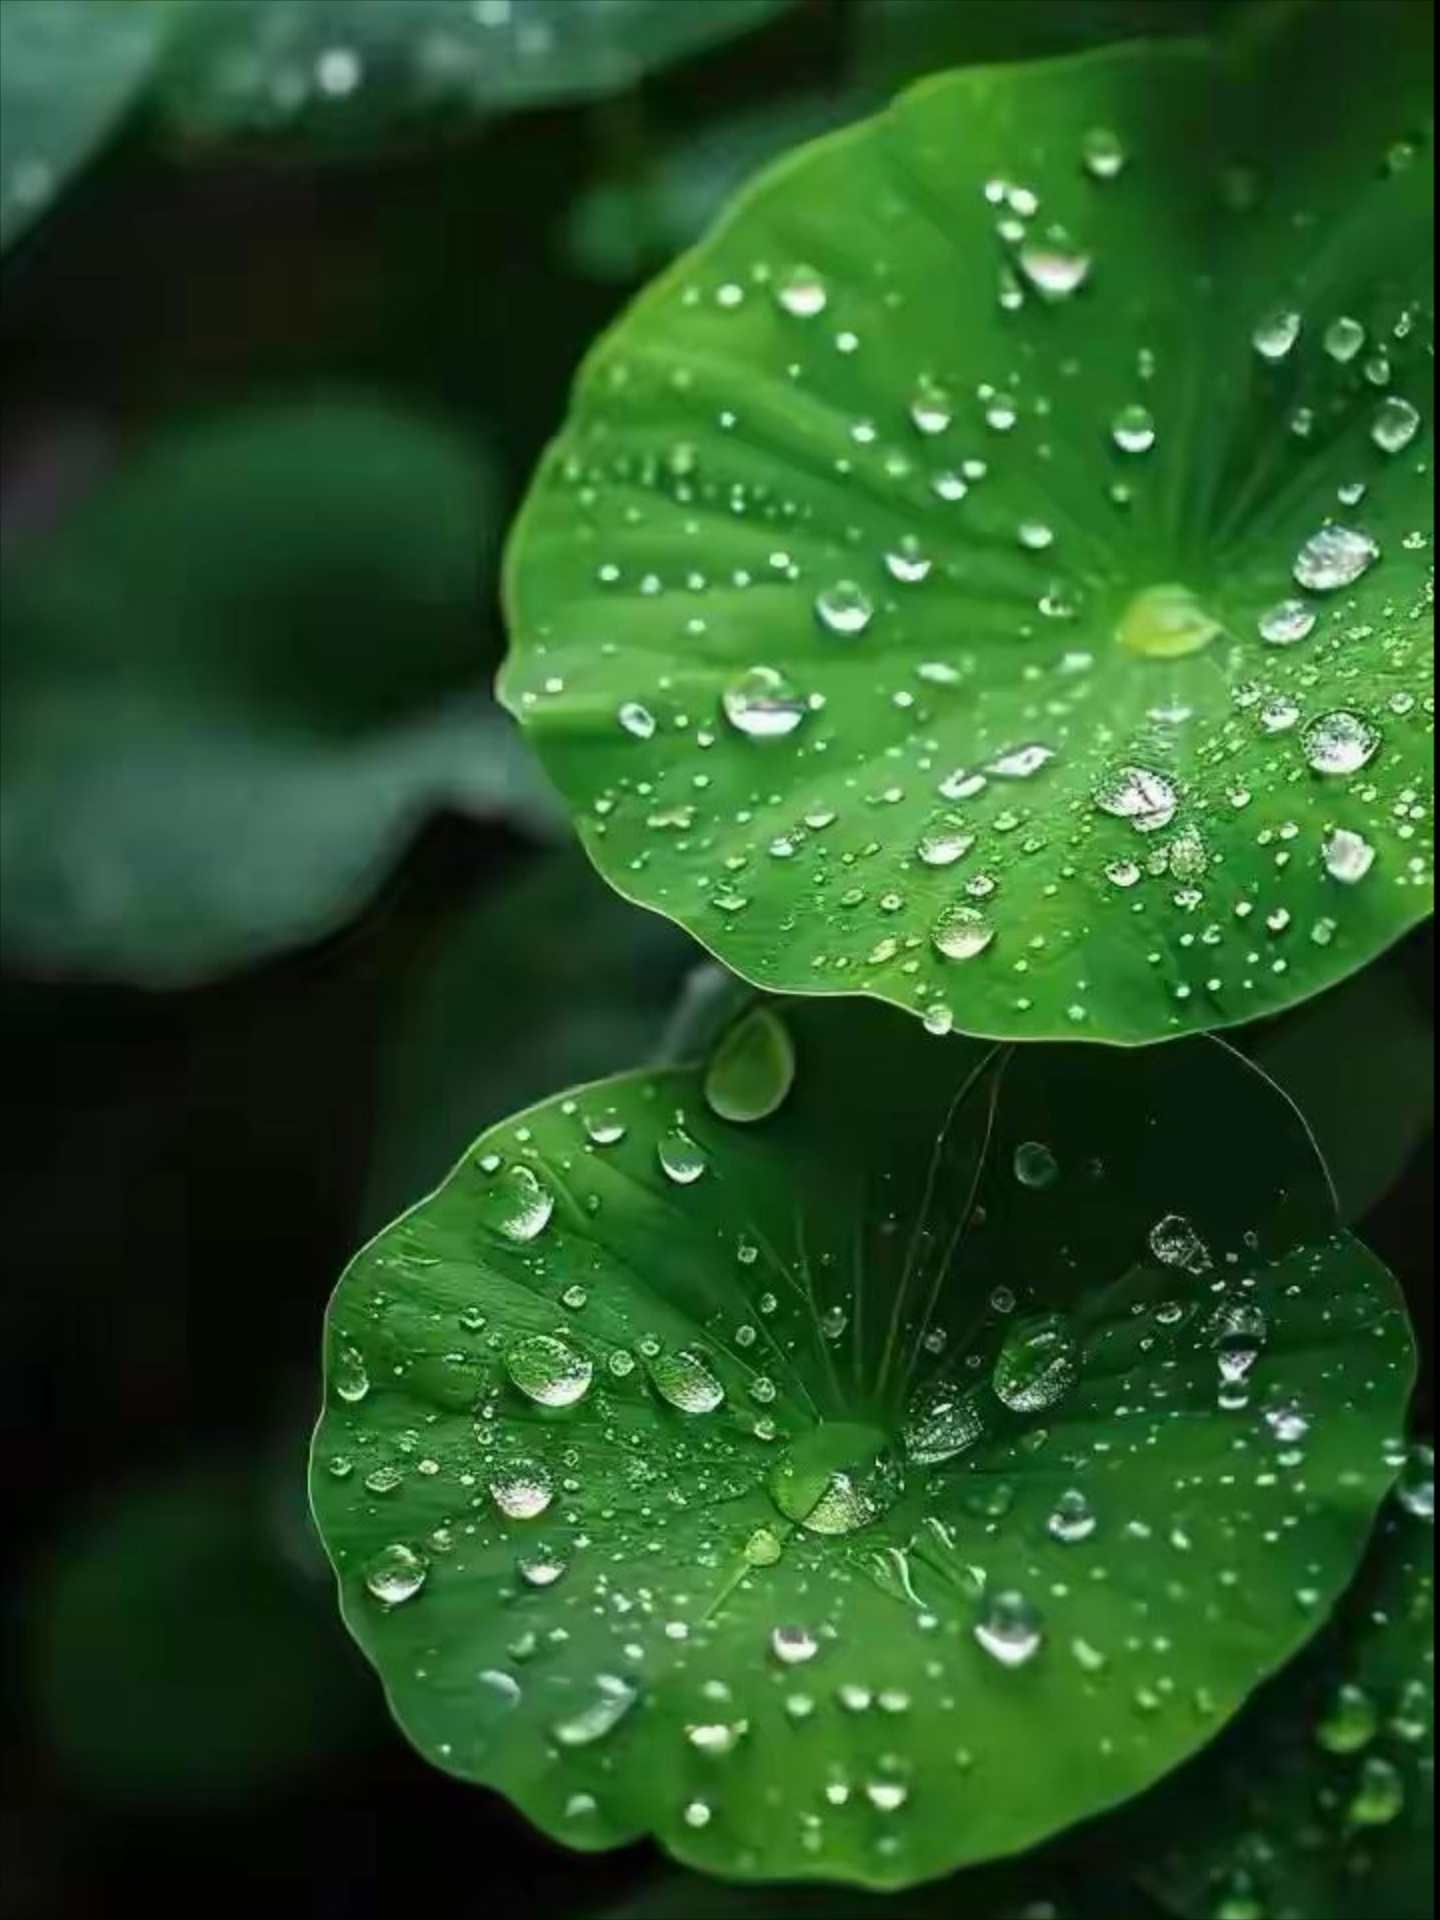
(214, 1089)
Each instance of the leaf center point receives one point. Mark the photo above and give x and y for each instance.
(1167, 623)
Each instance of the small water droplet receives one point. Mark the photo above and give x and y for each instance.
(1133, 429)
(1379, 1800)
(348, 1375)
(944, 843)
(605, 1129)
(1277, 333)
(1344, 340)
(1395, 425)
(1036, 1166)
(1054, 265)
(1349, 856)
(793, 1646)
(802, 293)
(1175, 1242)
(637, 721)
(844, 609)
(1291, 620)
(1351, 1723)
(943, 1422)
(1147, 800)
(1010, 1629)
(763, 705)
(681, 1159)
(1103, 154)
(1073, 1518)
(1416, 1491)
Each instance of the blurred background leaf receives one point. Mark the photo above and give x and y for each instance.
(69, 71)
(331, 76)
(235, 684)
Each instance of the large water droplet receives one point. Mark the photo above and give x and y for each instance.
(1021, 763)
(838, 1479)
(943, 1422)
(1036, 1166)
(1351, 1723)
(516, 1205)
(1133, 429)
(962, 932)
(802, 293)
(1054, 265)
(1349, 856)
(845, 609)
(1380, 1798)
(1038, 1364)
(548, 1371)
(1147, 800)
(763, 705)
(1288, 622)
(1395, 425)
(1010, 1629)
(1344, 340)
(794, 1646)
(523, 1490)
(681, 1159)
(396, 1574)
(1175, 1242)
(348, 1375)
(1277, 333)
(597, 1720)
(684, 1382)
(1341, 742)
(1335, 557)
(752, 1070)
(945, 843)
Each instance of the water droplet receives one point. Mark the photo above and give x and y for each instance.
(605, 1129)
(1038, 1363)
(1166, 623)
(1133, 429)
(932, 409)
(945, 843)
(614, 1699)
(1175, 1242)
(763, 1549)
(1335, 557)
(1036, 1166)
(1350, 1724)
(1021, 763)
(962, 932)
(348, 1375)
(1380, 1798)
(763, 705)
(1055, 266)
(943, 1422)
(1277, 334)
(515, 1205)
(1288, 622)
(793, 1646)
(908, 563)
(542, 1570)
(1103, 154)
(523, 1491)
(1416, 1491)
(802, 293)
(1344, 340)
(1147, 800)
(844, 609)
(681, 1159)
(548, 1371)
(1010, 1629)
(1073, 1518)
(637, 721)
(396, 1574)
(752, 1070)
(1395, 425)
(684, 1382)
(1341, 742)
(838, 1479)
(1349, 856)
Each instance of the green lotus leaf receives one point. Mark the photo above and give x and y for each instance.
(870, 1490)
(542, 982)
(236, 682)
(1360, 1065)
(328, 75)
(69, 71)
(993, 572)
(177, 1658)
(1319, 1804)
(998, 1893)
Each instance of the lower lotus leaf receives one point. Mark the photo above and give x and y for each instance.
(871, 1484)
(236, 683)
(1320, 1803)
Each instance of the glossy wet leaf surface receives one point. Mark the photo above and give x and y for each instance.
(994, 572)
(334, 75)
(236, 683)
(69, 71)
(1320, 1803)
(870, 1490)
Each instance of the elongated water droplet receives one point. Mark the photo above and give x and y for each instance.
(681, 1159)
(1349, 856)
(1010, 1629)
(1038, 1364)
(1335, 557)
(1341, 743)
(1147, 800)
(684, 1382)
(637, 721)
(752, 1070)
(516, 1205)
(1021, 763)
(548, 1371)
(1290, 621)
(962, 932)
(396, 1574)
(598, 1719)
(348, 1375)
(844, 609)
(838, 1479)
(763, 705)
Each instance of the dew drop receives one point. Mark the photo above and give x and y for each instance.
(1286, 623)
(516, 1205)
(1350, 1724)
(605, 1129)
(396, 1574)
(548, 1371)
(1395, 425)
(944, 843)
(613, 1701)
(1175, 1242)
(684, 1382)
(962, 932)
(1166, 623)
(1055, 266)
(1073, 1519)
(637, 721)
(1277, 333)
(1010, 1630)
(1038, 1363)
(1036, 1166)
(348, 1375)
(845, 609)
(1340, 743)
(1133, 429)
(1380, 1798)
(1416, 1491)
(793, 1646)
(681, 1159)
(1102, 154)
(523, 1491)
(1147, 800)
(1344, 340)
(802, 293)
(943, 1422)
(1335, 557)
(763, 705)
(752, 1070)
(1349, 856)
